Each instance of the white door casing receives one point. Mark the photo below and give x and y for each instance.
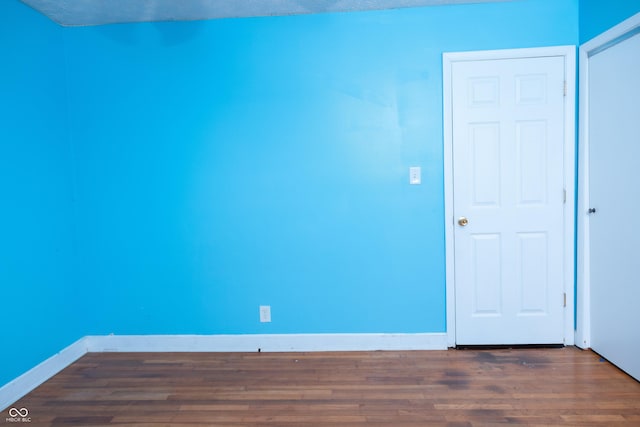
(507, 172)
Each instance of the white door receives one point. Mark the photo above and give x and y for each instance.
(614, 176)
(508, 182)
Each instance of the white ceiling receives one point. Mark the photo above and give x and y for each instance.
(98, 12)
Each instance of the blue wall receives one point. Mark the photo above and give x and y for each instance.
(597, 16)
(228, 164)
(205, 168)
(39, 308)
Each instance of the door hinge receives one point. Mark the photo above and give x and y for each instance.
(564, 90)
(565, 299)
(564, 195)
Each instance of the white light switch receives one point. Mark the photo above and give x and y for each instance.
(414, 175)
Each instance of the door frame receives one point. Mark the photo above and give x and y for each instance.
(569, 55)
(609, 38)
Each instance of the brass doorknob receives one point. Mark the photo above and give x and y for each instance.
(463, 221)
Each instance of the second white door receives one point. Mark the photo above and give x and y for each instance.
(508, 181)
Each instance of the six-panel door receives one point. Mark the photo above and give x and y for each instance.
(508, 136)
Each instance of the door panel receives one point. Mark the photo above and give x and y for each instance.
(532, 261)
(487, 286)
(485, 158)
(508, 179)
(531, 140)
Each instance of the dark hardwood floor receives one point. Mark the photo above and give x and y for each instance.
(542, 387)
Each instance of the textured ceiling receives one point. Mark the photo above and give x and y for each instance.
(98, 12)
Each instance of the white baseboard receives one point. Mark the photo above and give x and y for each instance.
(31, 379)
(16, 389)
(267, 343)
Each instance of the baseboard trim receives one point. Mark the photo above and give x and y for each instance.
(16, 389)
(267, 343)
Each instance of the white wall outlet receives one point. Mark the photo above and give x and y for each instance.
(414, 175)
(265, 313)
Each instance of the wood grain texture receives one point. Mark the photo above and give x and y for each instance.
(543, 387)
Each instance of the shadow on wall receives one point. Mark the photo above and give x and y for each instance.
(131, 35)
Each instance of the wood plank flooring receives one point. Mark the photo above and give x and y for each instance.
(547, 387)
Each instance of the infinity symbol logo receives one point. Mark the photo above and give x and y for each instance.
(15, 413)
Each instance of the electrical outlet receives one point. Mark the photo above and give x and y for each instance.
(265, 313)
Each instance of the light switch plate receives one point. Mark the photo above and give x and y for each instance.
(414, 175)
